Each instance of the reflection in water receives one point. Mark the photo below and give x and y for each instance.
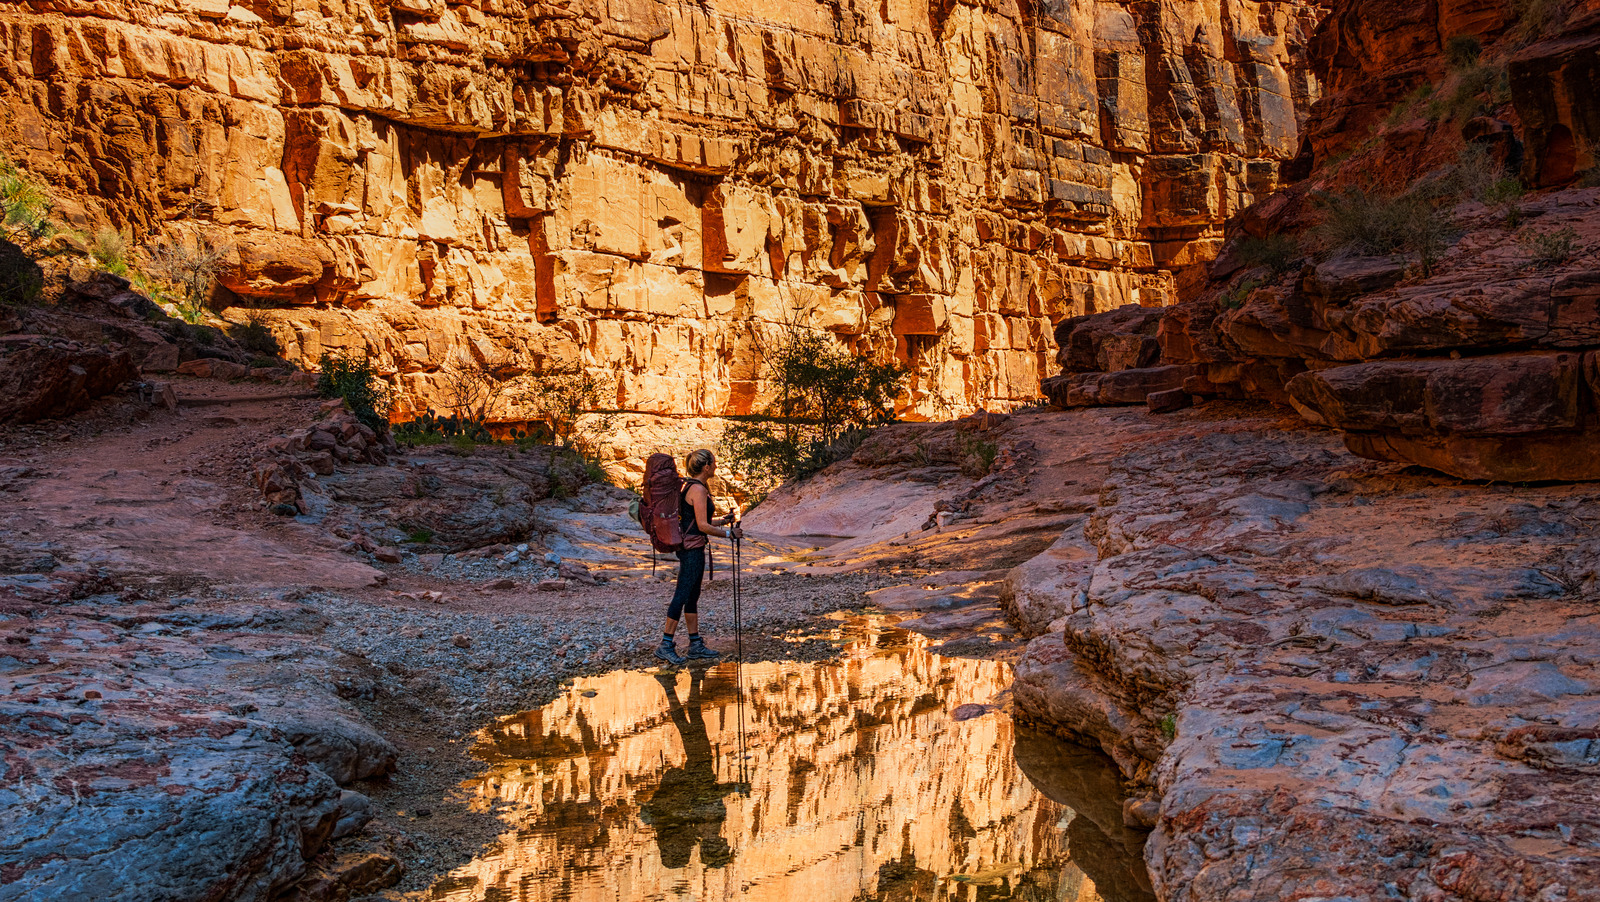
(864, 778)
(686, 810)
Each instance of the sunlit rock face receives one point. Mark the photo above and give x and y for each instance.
(650, 189)
(861, 782)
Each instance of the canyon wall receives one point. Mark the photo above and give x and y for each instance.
(1468, 343)
(654, 190)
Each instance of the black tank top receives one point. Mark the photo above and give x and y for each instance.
(686, 517)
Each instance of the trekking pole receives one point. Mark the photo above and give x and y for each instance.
(738, 667)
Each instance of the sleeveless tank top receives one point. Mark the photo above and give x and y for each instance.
(686, 517)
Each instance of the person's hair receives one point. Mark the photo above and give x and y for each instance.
(697, 461)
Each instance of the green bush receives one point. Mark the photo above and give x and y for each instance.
(421, 535)
(255, 334)
(1549, 249)
(1373, 224)
(356, 381)
(24, 227)
(109, 250)
(1234, 298)
(824, 397)
(1462, 51)
(1278, 252)
(24, 207)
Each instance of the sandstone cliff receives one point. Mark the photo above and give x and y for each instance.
(650, 189)
(1435, 291)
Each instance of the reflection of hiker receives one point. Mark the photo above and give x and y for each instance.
(696, 519)
(687, 808)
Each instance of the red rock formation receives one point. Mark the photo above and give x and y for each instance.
(651, 189)
(1473, 361)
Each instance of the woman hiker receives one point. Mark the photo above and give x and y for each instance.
(698, 519)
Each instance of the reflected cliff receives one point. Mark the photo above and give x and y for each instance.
(887, 774)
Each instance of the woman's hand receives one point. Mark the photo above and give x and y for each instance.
(735, 532)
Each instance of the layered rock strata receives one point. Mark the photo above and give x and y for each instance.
(1475, 358)
(653, 190)
(1340, 681)
(1486, 369)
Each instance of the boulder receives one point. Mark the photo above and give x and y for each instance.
(281, 266)
(213, 368)
(1503, 394)
(1120, 339)
(45, 380)
(1339, 280)
(1125, 387)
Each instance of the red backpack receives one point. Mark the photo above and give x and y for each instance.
(659, 512)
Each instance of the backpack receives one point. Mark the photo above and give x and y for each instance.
(659, 511)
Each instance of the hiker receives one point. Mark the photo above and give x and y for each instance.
(696, 519)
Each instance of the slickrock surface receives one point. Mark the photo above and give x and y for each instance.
(650, 189)
(1338, 678)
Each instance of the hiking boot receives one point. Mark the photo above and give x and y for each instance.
(698, 651)
(666, 651)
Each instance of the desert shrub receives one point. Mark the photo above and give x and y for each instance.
(1234, 298)
(1278, 252)
(572, 405)
(191, 268)
(1403, 110)
(1532, 18)
(24, 207)
(1547, 249)
(1469, 92)
(1477, 175)
(109, 251)
(255, 334)
(977, 455)
(1374, 224)
(473, 388)
(822, 395)
(24, 227)
(355, 380)
(1462, 51)
(1590, 178)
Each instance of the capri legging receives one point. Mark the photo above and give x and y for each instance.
(691, 571)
